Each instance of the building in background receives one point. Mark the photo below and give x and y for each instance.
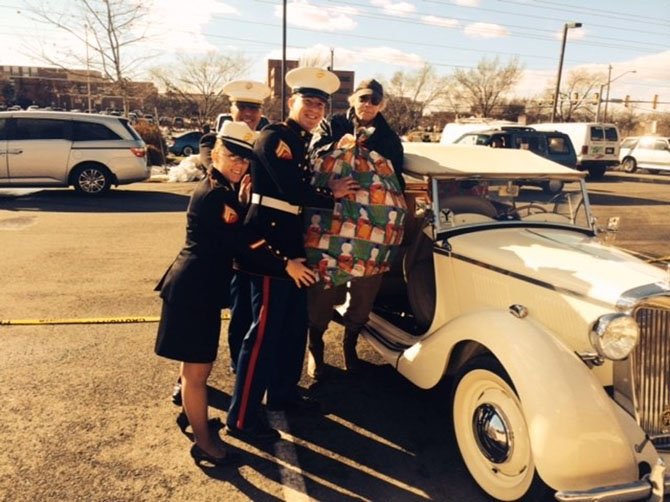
(67, 89)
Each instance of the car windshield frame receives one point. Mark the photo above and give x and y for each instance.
(516, 204)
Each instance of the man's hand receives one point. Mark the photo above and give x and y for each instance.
(343, 187)
(301, 275)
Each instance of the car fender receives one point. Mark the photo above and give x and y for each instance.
(576, 439)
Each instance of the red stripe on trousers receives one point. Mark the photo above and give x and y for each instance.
(254, 354)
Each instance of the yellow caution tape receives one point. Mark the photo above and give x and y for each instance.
(94, 320)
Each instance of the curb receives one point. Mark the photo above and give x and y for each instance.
(639, 177)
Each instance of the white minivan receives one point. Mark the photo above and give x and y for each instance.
(596, 144)
(54, 149)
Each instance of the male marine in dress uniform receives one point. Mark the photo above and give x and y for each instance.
(273, 350)
(246, 99)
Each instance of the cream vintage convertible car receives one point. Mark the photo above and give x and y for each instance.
(557, 343)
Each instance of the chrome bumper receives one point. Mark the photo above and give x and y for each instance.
(651, 487)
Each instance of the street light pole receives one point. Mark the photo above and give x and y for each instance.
(607, 98)
(571, 24)
(283, 65)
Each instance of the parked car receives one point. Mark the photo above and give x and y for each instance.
(178, 123)
(647, 152)
(88, 151)
(555, 342)
(185, 144)
(553, 145)
(596, 144)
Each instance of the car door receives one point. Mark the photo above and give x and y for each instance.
(4, 174)
(38, 150)
(659, 154)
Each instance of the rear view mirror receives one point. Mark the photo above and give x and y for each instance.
(509, 190)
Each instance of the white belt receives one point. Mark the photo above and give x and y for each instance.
(280, 205)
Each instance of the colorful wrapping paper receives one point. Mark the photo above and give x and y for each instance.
(361, 235)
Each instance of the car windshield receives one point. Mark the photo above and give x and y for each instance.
(484, 201)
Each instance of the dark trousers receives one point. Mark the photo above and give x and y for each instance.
(363, 292)
(273, 350)
(241, 314)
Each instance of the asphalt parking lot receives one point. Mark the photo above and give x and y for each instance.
(85, 410)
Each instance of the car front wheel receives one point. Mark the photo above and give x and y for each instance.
(629, 165)
(492, 434)
(188, 150)
(91, 179)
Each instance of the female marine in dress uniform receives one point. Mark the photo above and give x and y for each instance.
(196, 286)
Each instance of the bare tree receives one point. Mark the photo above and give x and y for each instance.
(483, 88)
(577, 101)
(198, 80)
(106, 29)
(409, 95)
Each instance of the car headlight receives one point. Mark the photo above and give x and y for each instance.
(614, 336)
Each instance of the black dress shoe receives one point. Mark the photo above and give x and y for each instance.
(296, 404)
(200, 456)
(257, 434)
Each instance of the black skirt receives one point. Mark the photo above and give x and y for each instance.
(189, 333)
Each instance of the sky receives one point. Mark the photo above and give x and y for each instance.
(376, 38)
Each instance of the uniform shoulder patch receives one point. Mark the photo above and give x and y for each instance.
(283, 151)
(229, 215)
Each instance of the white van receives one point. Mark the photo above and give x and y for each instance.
(55, 149)
(596, 144)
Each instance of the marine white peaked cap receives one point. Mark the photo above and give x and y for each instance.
(247, 91)
(237, 133)
(313, 82)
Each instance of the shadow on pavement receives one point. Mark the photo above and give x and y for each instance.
(115, 201)
(611, 199)
(379, 437)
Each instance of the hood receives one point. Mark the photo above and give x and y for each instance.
(561, 258)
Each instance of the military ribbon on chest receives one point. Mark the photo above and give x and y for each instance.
(229, 215)
(283, 151)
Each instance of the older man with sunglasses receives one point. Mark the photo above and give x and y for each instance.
(367, 103)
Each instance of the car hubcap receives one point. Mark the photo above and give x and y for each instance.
(91, 181)
(491, 433)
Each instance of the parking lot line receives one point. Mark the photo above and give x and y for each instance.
(91, 320)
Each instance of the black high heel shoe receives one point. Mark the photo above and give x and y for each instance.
(200, 456)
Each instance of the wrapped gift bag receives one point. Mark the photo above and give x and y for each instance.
(360, 236)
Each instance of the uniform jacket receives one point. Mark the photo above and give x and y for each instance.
(383, 140)
(282, 171)
(215, 234)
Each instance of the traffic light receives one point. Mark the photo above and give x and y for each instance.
(654, 102)
(596, 98)
(626, 101)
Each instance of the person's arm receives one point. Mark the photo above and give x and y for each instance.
(276, 157)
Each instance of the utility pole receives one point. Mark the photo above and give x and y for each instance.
(283, 65)
(332, 68)
(88, 72)
(607, 98)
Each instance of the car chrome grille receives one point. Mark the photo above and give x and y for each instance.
(650, 372)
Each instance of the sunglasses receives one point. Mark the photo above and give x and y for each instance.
(371, 98)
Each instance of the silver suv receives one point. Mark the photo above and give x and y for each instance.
(51, 149)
